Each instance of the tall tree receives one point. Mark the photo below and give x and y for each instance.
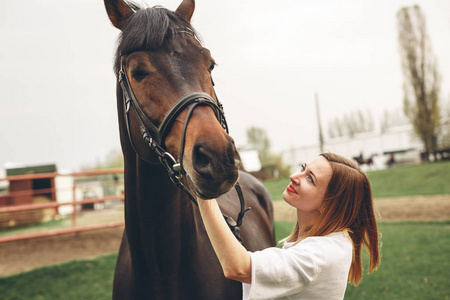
(350, 124)
(444, 128)
(421, 78)
(258, 139)
(392, 118)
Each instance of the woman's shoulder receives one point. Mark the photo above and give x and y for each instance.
(331, 243)
(330, 252)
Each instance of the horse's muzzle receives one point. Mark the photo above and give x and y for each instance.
(215, 171)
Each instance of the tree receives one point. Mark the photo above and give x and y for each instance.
(351, 124)
(421, 78)
(392, 118)
(336, 128)
(257, 138)
(444, 128)
(113, 160)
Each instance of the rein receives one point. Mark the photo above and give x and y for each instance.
(154, 137)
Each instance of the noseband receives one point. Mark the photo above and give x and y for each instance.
(154, 136)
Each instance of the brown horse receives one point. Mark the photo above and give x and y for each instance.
(173, 133)
(364, 161)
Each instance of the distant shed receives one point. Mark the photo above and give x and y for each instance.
(28, 185)
(39, 186)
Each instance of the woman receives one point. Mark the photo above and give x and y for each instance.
(335, 218)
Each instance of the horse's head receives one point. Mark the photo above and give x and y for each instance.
(160, 58)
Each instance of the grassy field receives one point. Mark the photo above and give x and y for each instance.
(424, 179)
(84, 279)
(408, 180)
(415, 265)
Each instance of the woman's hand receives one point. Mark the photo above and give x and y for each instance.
(233, 257)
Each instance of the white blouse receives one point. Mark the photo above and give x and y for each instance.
(315, 268)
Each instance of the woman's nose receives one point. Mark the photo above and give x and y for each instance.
(295, 178)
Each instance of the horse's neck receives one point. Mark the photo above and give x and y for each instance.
(159, 218)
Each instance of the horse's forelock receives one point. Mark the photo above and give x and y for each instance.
(149, 29)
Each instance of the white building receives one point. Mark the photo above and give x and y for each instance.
(399, 141)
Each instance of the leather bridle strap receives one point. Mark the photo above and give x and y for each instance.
(235, 225)
(155, 137)
(184, 102)
(183, 135)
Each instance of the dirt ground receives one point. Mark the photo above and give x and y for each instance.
(16, 257)
(417, 208)
(21, 256)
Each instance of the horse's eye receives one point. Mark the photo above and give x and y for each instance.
(211, 67)
(138, 74)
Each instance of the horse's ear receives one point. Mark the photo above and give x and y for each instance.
(186, 9)
(118, 12)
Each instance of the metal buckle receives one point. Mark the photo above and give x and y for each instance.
(177, 167)
(127, 105)
(121, 75)
(170, 163)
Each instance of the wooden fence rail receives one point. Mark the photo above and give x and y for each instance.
(8, 209)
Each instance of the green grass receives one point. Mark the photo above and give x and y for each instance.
(411, 180)
(83, 279)
(49, 225)
(283, 229)
(276, 187)
(414, 265)
(423, 179)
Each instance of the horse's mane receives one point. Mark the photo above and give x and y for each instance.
(149, 29)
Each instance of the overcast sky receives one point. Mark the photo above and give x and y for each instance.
(58, 90)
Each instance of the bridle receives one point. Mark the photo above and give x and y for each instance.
(154, 136)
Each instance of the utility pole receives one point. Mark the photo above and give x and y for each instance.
(319, 123)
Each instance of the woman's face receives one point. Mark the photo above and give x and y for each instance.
(308, 186)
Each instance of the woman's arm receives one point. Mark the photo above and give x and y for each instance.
(233, 257)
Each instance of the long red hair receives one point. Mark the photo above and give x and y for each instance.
(347, 206)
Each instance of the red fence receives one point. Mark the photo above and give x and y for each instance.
(14, 202)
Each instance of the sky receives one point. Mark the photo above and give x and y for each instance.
(58, 102)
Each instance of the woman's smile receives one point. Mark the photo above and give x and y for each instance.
(291, 189)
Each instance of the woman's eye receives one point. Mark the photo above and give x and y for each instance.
(303, 168)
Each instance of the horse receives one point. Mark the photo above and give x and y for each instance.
(364, 161)
(176, 147)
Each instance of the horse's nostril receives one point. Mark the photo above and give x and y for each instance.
(202, 159)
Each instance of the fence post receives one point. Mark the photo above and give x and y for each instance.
(74, 204)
